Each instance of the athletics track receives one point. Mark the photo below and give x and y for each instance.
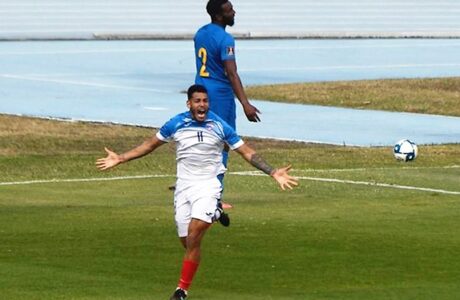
(140, 82)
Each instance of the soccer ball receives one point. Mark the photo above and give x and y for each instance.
(405, 150)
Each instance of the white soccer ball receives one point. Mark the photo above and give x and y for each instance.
(405, 150)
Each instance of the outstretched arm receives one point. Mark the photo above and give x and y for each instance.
(232, 75)
(113, 159)
(280, 175)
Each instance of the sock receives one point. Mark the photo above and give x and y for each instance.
(189, 269)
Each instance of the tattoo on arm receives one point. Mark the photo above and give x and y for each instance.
(260, 163)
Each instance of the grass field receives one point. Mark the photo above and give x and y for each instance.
(425, 95)
(324, 240)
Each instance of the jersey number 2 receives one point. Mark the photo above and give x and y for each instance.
(204, 57)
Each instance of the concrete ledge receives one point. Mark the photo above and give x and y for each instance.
(238, 35)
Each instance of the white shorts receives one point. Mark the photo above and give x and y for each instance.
(197, 200)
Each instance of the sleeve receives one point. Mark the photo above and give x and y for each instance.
(227, 48)
(167, 131)
(231, 137)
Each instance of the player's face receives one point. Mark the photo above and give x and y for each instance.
(228, 14)
(198, 106)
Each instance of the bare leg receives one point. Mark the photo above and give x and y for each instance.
(192, 257)
(196, 231)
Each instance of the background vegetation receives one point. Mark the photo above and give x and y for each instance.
(431, 96)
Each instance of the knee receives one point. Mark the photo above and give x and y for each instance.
(193, 239)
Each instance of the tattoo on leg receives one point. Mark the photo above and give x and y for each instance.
(260, 163)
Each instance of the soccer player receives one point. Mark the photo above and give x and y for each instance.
(200, 136)
(217, 70)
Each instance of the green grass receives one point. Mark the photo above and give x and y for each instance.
(431, 96)
(117, 239)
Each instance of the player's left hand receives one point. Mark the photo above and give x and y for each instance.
(251, 113)
(283, 178)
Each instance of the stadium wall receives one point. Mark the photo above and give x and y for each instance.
(165, 19)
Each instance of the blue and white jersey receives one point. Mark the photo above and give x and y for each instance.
(199, 145)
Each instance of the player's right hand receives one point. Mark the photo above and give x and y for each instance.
(111, 160)
(251, 113)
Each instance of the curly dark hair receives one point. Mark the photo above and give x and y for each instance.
(214, 7)
(195, 88)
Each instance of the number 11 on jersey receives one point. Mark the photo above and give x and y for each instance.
(199, 134)
(204, 57)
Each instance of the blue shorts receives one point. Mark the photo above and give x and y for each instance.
(222, 103)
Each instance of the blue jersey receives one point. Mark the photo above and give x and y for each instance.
(213, 46)
(199, 145)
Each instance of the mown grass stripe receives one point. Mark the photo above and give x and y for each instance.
(244, 173)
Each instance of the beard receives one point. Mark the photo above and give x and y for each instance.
(229, 21)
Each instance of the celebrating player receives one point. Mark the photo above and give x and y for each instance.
(200, 136)
(217, 70)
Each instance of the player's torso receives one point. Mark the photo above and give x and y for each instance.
(197, 141)
(210, 41)
(199, 151)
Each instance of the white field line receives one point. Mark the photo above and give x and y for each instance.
(395, 186)
(334, 180)
(101, 51)
(376, 169)
(352, 67)
(81, 83)
(27, 182)
(155, 108)
(241, 47)
(244, 173)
